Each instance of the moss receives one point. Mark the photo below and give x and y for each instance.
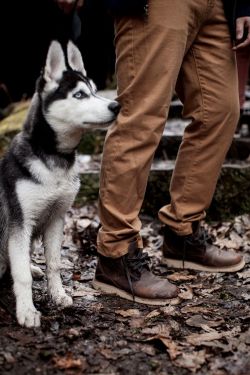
(89, 189)
(14, 122)
(12, 125)
(92, 142)
(232, 195)
(231, 198)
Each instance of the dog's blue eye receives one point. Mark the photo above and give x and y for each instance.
(79, 95)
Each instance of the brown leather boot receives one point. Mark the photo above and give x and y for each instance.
(197, 252)
(130, 277)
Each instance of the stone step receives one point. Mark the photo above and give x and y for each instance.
(92, 142)
(171, 140)
(168, 147)
(232, 196)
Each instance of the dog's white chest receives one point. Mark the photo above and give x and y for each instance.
(53, 187)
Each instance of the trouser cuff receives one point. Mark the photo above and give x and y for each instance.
(182, 228)
(115, 249)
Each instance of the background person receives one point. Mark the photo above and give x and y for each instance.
(243, 65)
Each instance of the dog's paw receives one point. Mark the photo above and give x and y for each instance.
(62, 299)
(36, 272)
(28, 317)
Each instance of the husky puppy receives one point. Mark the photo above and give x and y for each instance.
(38, 176)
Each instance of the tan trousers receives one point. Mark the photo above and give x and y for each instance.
(183, 45)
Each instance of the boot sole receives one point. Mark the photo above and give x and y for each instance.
(109, 289)
(173, 263)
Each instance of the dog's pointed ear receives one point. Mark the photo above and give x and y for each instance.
(75, 58)
(55, 63)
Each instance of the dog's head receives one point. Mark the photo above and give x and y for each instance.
(69, 99)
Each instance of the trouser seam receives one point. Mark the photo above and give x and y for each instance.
(107, 169)
(204, 120)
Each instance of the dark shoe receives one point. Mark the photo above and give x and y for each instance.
(197, 252)
(130, 277)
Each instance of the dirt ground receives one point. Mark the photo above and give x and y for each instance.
(204, 331)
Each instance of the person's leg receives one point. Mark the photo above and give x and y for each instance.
(149, 56)
(207, 85)
(243, 65)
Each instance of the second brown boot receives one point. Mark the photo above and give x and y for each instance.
(196, 251)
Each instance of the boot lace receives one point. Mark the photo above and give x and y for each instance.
(134, 267)
(198, 240)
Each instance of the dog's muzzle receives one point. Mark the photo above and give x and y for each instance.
(114, 107)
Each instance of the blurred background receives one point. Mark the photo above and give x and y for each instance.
(26, 29)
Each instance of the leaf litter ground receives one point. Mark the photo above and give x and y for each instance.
(204, 331)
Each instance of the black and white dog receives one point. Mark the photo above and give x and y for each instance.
(38, 176)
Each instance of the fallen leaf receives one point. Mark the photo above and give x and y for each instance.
(172, 348)
(69, 362)
(246, 220)
(199, 338)
(195, 309)
(128, 313)
(192, 361)
(187, 294)
(160, 329)
(9, 357)
(174, 325)
(246, 296)
(73, 332)
(83, 224)
(199, 285)
(152, 314)
(85, 291)
(136, 322)
(67, 264)
(199, 321)
(107, 353)
(207, 328)
(181, 276)
(226, 243)
(244, 274)
(237, 240)
(169, 311)
(148, 349)
(234, 332)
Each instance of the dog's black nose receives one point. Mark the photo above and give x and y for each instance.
(114, 107)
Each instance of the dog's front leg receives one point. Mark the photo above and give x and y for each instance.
(53, 237)
(19, 254)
